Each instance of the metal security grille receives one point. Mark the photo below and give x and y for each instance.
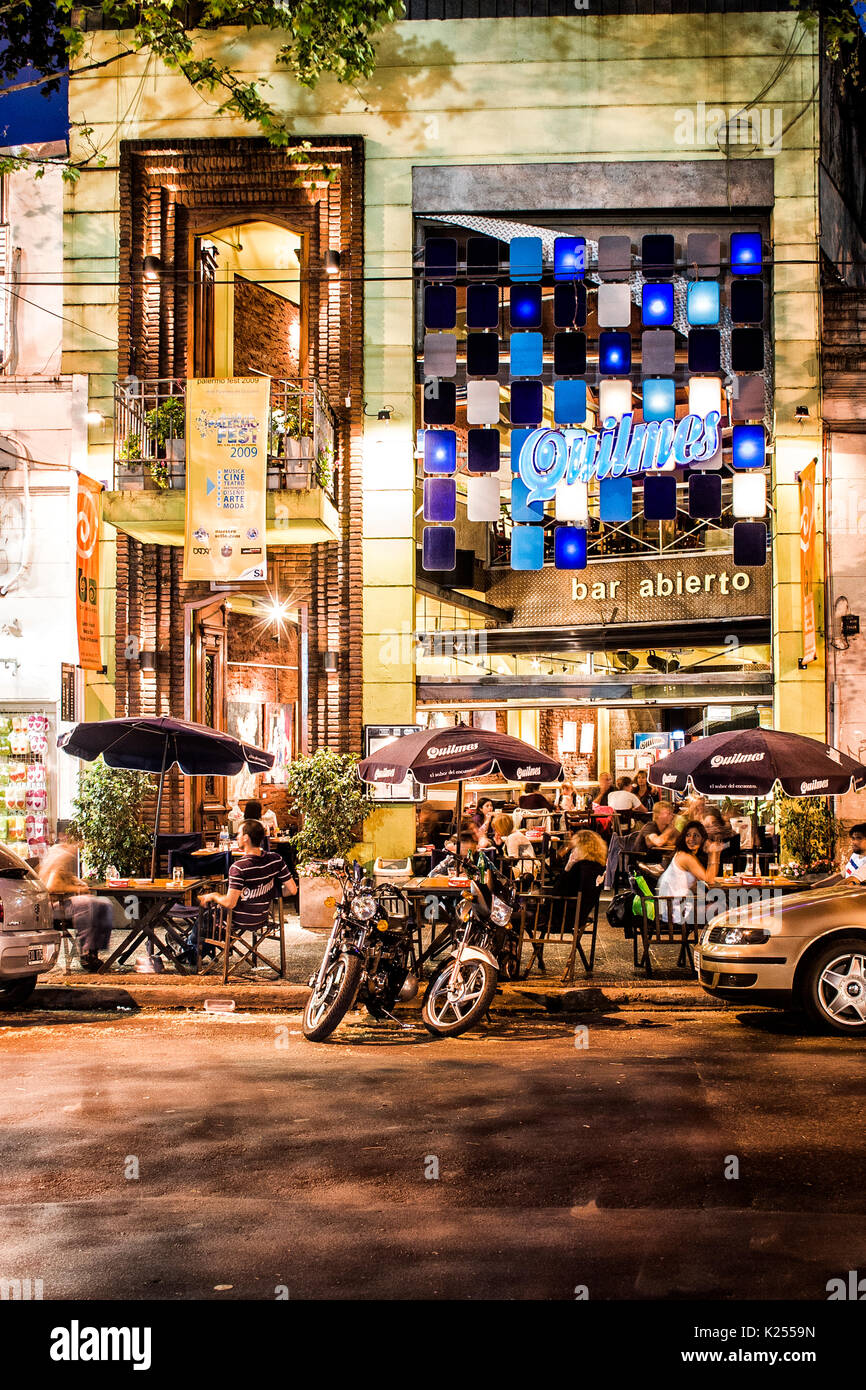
(543, 9)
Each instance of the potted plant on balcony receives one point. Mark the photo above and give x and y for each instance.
(332, 801)
(130, 470)
(324, 472)
(167, 425)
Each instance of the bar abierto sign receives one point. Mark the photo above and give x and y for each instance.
(227, 460)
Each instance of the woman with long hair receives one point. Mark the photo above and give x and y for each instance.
(696, 860)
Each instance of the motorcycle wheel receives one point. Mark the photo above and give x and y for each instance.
(449, 1016)
(328, 1004)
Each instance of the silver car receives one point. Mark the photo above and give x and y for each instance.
(29, 943)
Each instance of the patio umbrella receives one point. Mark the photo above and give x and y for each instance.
(156, 744)
(749, 763)
(453, 754)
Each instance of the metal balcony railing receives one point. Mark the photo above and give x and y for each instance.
(149, 435)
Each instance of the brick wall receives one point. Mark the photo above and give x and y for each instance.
(577, 766)
(263, 339)
(169, 193)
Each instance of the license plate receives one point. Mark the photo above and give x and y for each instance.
(35, 956)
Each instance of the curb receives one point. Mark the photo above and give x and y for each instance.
(189, 992)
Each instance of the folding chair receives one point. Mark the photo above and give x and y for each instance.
(658, 927)
(244, 945)
(547, 918)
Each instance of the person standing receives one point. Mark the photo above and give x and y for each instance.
(92, 917)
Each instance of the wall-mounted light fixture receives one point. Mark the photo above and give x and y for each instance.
(151, 267)
(331, 262)
(330, 661)
(147, 662)
(95, 417)
(667, 664)
(626, 661)
(383, 413)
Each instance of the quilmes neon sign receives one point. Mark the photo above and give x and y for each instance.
(549, 457)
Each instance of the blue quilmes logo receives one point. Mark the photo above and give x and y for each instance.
(549, 457)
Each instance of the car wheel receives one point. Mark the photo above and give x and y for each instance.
(834, 986)
(17, 991)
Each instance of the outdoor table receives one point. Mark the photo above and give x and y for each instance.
(418, 889)
(158, 896)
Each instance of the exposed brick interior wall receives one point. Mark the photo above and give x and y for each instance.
(263, 338)
(170, 192)
(577, 766)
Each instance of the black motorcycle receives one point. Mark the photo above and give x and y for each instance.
(487, 945)
(369, 958)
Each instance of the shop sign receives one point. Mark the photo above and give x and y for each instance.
(226, 478)
(550, 457)
(807, 561)
(87, 572)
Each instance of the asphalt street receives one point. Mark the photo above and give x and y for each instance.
(192, 1156)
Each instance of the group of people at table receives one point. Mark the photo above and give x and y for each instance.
(255, 876)
(586, 838)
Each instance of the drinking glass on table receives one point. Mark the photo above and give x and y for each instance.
(727, 870)
(177, 874)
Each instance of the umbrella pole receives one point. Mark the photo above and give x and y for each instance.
(158, 809)
(458, 815)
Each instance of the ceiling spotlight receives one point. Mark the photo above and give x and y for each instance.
(626, 661)
(661, 663)
(152, 267)
(331, 262)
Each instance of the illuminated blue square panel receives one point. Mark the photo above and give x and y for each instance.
(526, 354)
(440, 451)
(659, 398)
(614, 354)
(518, 439)
(703, 303)
(747, 255)
(748, 446)
(439, 548)
(525, 306)
(569, 548)
(525, 258)
(440, 499)
(657, 305)
(482, 450)
(521, 509)
(569, 257)
(527, 403)
(569, 402)
(527, 547)
(615, 499)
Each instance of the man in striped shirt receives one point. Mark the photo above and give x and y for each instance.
(254, 881)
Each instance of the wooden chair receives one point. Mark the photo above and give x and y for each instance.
(243, 945)
(659, 927)
(547, 918)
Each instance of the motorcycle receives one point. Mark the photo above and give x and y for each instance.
(461, 991)
(369, 957)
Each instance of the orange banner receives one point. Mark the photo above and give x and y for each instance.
(807, 560)
(87, 572)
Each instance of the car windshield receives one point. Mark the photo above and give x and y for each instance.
(11, 866)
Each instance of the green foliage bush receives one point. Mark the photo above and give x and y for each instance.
(332, 800)
(808, 831)
(109, 818)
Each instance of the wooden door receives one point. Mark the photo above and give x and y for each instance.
(209, 707)
(205, 260)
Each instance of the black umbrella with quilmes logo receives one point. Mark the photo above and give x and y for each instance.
(749, 763)
(455, 754)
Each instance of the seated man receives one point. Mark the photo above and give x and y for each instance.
(92, 917)
(855, 867)
(253, 881)
(253, 811)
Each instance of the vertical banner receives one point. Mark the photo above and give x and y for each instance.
(807, 560)
(87, 572)
(226, 477)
